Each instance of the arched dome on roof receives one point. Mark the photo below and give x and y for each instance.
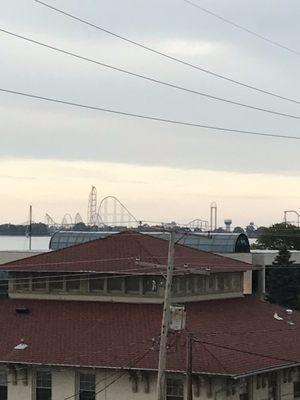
(212, 242)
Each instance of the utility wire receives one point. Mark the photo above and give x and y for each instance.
(149, 79)
(216, 129)
(165, 55)
(120, 375)
(243, 351)
(258, 35)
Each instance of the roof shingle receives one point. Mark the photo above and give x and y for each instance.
(124, 251)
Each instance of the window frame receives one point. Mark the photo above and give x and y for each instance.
(79, 390)
(171, 383)
(296, 391)
(42, 387)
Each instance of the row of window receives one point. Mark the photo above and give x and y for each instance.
(86, 389)
(96, 283)
(43, 385)
(92, 283)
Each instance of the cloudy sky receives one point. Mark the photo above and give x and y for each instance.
(51, 154)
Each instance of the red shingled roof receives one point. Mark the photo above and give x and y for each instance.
(238, 335)
(122, 252)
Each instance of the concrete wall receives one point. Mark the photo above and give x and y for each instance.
(64, 384)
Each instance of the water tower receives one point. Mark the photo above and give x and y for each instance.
(227, 223)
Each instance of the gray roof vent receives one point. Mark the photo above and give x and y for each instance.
(22, 310)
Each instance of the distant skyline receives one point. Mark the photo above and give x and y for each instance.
(150, 193)
(51, 154)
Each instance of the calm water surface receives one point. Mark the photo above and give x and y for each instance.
(22, 243)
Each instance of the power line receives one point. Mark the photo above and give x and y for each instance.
(120, 375)
(165, 55)
(217, 129)
(243, 351)
(147, 78)
(258, 35)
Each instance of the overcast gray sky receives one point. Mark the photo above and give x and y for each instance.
(38, 136)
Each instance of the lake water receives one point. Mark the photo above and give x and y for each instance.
(22, 243)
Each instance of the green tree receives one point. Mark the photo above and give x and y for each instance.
(278, 236)
(238, 229)
(251, 230)
(283, 286)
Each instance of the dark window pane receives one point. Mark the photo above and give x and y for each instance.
(114, 284)
(150, 284)
(96, 283)
(200, 282)
(174, 389)
(227, 281)
(3, 392)
(22, 282)
(56, 283)
(212, 283)
(43, 394)
(87, 387)
(73, 283)
(296, 390)
(221, 283)
(39, 283)
(182, 285)
(43, 385)
(132, 284)
(236, 281)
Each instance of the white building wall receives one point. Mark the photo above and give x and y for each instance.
(19, 390)
(63, 383)
(216, 388)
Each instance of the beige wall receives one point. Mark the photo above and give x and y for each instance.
(64, 385)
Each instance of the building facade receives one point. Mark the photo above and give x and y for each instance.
(84, 323)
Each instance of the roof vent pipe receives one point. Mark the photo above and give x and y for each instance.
(289, 317)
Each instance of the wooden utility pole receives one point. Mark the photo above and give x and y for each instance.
(161, 379)
(189, 366)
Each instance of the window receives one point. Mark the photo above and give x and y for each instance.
(200, 284)
(296, 390)
(87, 387)
(96, 283)
(39, 283)
(273, 388)
(227, 281)
(221, 283)
(244, 389)
(3, 384)
(114, 284)
(190, 284)
(56, 283)
(72, 283)
(174, 389)
(43, 388)
(212, 283)
(236, 281)
(181, 285)
(132, 284)
(22, 282)
(150, 284)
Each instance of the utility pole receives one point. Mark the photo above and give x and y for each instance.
(161, 378)
(189, 366)
(30, 226)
